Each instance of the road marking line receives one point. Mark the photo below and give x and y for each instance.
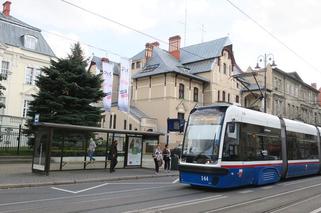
(316, 210)
(147, 183)
(79, 191)
(94, 187)
(178, 204)
(267, 187)
(78, 196)
(264, 198)
(175, 181)
(246, 191)
(64, 190)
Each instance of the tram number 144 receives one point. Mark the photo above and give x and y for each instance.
(204, 178)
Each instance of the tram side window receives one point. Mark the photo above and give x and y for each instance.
(231, 148)
(260, 142)
(301, 146)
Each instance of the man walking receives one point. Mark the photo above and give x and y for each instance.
(113, 156)
(91, 149)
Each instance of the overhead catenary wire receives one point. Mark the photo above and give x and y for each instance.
(274, 36)
(85, 43)
(127, 27)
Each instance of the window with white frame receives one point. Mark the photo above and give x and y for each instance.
(2, 103)
(4, 70)
(26, 104)
(30, 42)
(32, 75)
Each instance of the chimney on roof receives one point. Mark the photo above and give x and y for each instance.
(155, 44)
(103, 59)
(314, 85)
(148, 50)
(6, 8)
(175, 46)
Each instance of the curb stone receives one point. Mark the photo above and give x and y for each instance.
(64, 182)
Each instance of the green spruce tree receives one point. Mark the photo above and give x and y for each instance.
(67, 92)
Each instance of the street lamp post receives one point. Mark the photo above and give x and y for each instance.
(266, 58)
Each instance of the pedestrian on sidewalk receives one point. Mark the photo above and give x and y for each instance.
(158, 159)
(91, 149)
(113, 156)
(167, 158)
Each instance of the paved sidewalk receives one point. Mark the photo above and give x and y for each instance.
(20, 175)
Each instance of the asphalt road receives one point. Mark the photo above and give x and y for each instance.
(164, 194)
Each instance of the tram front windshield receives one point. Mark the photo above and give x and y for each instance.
(201, 142)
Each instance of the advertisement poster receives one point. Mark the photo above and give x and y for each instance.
(134, 151)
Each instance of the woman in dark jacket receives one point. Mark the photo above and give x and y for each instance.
(166, 157)
(113, 156)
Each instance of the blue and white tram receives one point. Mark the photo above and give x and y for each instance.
(228, 146)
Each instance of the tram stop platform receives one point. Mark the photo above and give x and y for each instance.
(19, 175)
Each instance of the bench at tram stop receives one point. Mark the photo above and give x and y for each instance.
(84, 162)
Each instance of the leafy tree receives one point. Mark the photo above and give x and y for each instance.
(66, 93)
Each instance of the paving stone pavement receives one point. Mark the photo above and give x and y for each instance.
(20, 175)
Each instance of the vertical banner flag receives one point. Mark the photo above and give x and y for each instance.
(108, 84)
(124, 84)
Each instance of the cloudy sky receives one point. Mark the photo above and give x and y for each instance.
(296, 23)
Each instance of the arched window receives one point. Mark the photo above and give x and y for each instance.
(224, 68)
(223, 95)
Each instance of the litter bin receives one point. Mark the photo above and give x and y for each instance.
(174, 162)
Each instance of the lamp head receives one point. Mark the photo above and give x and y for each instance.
(273, 64)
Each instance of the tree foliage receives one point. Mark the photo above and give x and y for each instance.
(67, 92)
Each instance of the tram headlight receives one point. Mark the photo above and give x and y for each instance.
(208, 161)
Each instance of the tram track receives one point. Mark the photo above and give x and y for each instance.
(158, 199)
(264, 198)
(292, 203)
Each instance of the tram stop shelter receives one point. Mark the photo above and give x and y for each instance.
(60, 147)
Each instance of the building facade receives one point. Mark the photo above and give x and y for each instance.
(286, 94)
(23, 52)
(170, 83)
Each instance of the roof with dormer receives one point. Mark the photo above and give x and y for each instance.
(12, 31)
(163, 62)
(193, 59)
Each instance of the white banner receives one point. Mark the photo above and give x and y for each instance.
(108, 84)
(124, 84)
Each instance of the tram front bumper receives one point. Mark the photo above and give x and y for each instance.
(201, 175)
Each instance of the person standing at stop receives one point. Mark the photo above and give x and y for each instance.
(166, 157)
(113, 156)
